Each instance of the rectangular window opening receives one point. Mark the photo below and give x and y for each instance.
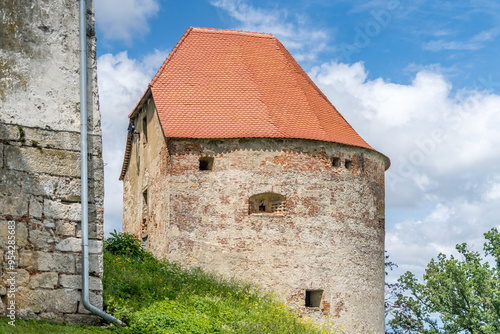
(145, 242)
(336, 162)
(313, 298)
(145, 212)
(348, 164)
(145, 129)
(206, 163)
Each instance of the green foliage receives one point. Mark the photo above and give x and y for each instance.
(22, 135)
(125, 245)
(457, 295)
(42, 327)
(153, 296)
(34, 143)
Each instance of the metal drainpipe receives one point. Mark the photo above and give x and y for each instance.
(84, 169)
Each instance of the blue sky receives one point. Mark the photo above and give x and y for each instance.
(418, 80)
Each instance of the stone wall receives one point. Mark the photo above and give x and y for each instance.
(331, 237)
(40, 162)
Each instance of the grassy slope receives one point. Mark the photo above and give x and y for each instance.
(41, 327)
(157, 297)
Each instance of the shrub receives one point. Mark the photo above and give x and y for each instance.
(125, 244)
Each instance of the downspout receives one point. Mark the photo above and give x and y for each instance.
(84, 168)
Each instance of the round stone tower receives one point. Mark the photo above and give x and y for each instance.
(236, 162)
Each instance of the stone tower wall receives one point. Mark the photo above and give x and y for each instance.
(40, 162)
(331, 238)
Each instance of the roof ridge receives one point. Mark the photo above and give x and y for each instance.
(233, 31)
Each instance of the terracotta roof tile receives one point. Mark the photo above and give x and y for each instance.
(234, 84)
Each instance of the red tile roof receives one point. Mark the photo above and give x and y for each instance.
(236, 84)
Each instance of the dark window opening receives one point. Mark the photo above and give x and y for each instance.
(262, 207)
(145, 213)
(145, 242)
(313, 298)
(348, 164)
(335, 162)
(267, 203)
(145, 129)
(206, 163)
(145, 219)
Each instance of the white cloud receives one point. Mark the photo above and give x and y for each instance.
(434, 130)
(475, 43)
(493, 192)
(445, 173)
(299, 37)
(411, 244)
(125, 19)
(122, 81)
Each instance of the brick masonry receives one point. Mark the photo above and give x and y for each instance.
(331, 237)
(40, 160)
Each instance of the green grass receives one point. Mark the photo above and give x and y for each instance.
(42, 327)
(159, 297)
(153, 296)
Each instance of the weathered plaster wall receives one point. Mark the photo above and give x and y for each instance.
(148, 171)
(331, 238)
(40, 160)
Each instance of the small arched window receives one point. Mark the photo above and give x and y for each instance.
(267, 203)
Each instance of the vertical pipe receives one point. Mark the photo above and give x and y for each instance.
(84, 168)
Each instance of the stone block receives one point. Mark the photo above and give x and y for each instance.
(75, 245)
(69, 190)
(63, 140)
(26, 314)
(9, 132)
(95, 299)
(14, 205)
(42, 184)
(51, 317)
(10, 182)
(47, 261)
(36, 207)
(75, 282)
(95, 231)
(95, 247)
(95, 264)
(21, 234)
(47, 161)
(43, 280)
(37, 300)
(64, 263)
(58, 210)
(28, 259)
(70, 245)
(65, 228)
(21, 276)
(83, 319)
(49, 224)
(41, 239)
